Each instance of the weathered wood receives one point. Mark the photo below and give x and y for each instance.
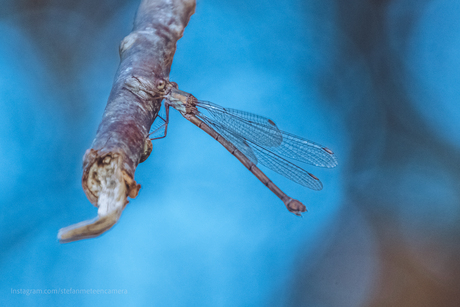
(120, 143)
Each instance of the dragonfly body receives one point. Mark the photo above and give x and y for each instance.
(254, 139)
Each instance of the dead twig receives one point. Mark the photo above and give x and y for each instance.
(122, 141)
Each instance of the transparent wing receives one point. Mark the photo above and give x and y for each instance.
(256, 154)
(303, 150)
(252, 127)
(242, 114)
(158, 127)
(236, 141)
(286, 168)
(263, 132)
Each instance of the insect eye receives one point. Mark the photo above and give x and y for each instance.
(161, 84)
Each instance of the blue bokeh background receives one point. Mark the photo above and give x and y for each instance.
(375, 81)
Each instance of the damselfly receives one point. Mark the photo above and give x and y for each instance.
(252, 139)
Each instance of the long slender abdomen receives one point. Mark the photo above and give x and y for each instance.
(292, 205)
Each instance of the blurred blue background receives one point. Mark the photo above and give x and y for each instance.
(376, 81)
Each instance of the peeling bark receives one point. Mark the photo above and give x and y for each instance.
(121, 142)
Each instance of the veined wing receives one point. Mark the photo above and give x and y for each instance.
(286, 168)
(236, 141)
(303, 150)
(263, 132)
(251, 117)
(267, 158)
(252, 127)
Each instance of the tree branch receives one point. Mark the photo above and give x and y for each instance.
(122, 141)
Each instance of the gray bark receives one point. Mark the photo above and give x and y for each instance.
(121, 141)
